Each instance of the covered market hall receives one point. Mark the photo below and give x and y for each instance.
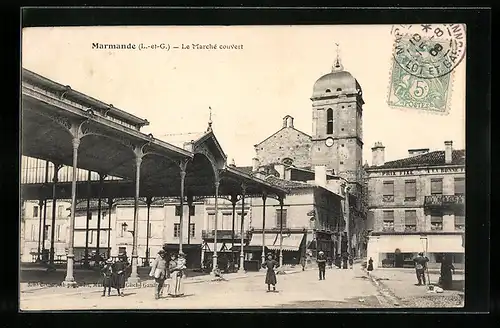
(70, 129)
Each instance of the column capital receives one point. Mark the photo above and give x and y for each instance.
(243, 188)
(281, 200)
(264, 195)
(76, 142)
(217, 184)
(149, 200)
(183, 165)
(138, 160)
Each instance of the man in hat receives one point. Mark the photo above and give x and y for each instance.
(420, 266)
(321, 265)
(119, 271)
(159, 272)
(107, 277)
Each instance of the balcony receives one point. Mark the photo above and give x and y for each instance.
(223, 234)
(444, 200)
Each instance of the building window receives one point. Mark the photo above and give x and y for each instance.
(280, 219)
(329, 121)
(459, 186)
(34, 232)
(410, 190)
(411, 220)
(341, 163)
(177, 230)
(35, 211)
(459, 222)
(178, 210)
(436, 221)
(388, 224)
(192, 230)
(436, 186)
(60, 211)
(388, 192)
(58, 232)
(46, 232)
(191, 210)
(150, 230)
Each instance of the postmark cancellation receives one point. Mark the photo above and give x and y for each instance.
(424, 58)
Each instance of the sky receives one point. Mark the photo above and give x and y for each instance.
(250, 88)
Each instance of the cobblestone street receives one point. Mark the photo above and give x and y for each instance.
(296, 289)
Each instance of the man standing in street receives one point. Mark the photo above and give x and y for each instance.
(321, 265)
(420, 266)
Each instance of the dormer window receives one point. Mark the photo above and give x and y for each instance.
(328, 91)
(329, 121)
(339, 89)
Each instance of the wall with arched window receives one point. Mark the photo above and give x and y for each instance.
(329, 121)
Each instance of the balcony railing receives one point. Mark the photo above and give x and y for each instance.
(444, 200)
(223, 234)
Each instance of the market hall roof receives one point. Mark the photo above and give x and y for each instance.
(50, 121)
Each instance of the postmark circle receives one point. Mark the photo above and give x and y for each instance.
(429, 50)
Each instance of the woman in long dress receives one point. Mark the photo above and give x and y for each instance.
(159, 272)
(370, 265)
(178, 272)
(119, 272)
(270, 264)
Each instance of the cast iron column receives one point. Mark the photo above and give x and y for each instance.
(215, 264)
(149, 199)
(57, 167)
(110, 204)
(190, 203)
(181, 218)
(281, 271)
(264, 197)
(45, 207)
(241, 269)
(41, 205)
(69, 281)
(234, 200)
(134, 277)
(89, 193)
(99, 214)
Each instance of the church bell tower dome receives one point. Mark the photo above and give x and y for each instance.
(335, 82)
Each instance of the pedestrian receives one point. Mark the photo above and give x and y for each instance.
(351, 262)
(270, 264)
(370, 266)
(420, 267)
(329, 262)
(344, 260)
(446, 278)
(159, 272)
(107, 277)
(303, 263)
(119, 273)
(177, 268)
(321, 265)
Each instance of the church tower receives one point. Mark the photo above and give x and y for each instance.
(337, 135)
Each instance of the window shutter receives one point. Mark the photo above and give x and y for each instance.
(411, 218)
(459, 220)
(388, 215)
(410, 189)
(436, 218)
(388, 188)
(459, 186)
(436, 186)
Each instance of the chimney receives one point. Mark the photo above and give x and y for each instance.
(416, 152)
(378, 154)
(288, 121)
(320, 175)
(448, 151)
(281, 170)
(255, 164)
(233, 163)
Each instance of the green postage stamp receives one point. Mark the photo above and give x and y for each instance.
(423, 61)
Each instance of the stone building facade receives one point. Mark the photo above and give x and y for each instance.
(416, 204)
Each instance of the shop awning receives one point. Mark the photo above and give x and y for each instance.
(271, 238)
(445, 244)
(290, 243)
(247, 248)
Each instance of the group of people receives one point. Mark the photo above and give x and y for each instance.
(420, 262)
(170, 270)
(114, 274)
